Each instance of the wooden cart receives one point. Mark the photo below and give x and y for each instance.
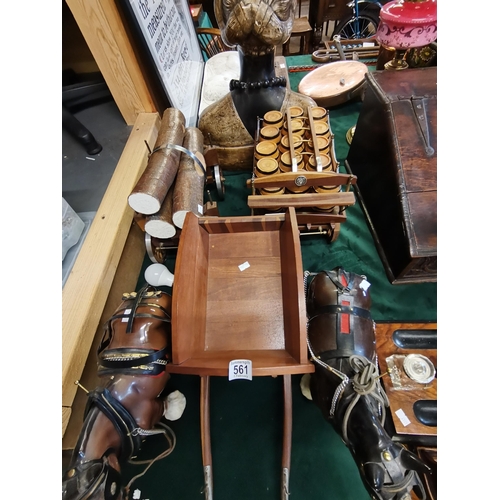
(319, 196)
(239, 295)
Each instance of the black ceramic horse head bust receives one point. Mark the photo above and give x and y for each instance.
(346, 383)
(128, 406)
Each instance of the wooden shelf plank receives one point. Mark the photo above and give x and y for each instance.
(86, 290)
(102, 27)
(264, 363)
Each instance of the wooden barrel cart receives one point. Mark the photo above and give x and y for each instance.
(316, 189)
(238, 295)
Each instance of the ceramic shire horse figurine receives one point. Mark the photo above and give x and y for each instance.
(346, 385)
(134, 351)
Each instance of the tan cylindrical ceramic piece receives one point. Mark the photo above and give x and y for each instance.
(190, 183)
(151, 189)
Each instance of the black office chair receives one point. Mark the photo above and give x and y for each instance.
(80, 91)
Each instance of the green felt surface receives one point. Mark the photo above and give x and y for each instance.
(246, 416)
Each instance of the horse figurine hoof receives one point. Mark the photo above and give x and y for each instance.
(346, 383)
(175, 404)
(305, 386)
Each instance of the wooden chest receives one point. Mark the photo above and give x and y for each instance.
(394, 155)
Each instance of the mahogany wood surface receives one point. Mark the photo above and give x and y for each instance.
(206, 445)
(293, 297)
(302, 200)
(311, 218)
(264, 363)
(287, 179)
(224, 311)
(404, 399)
(287, 422)
(189, 294)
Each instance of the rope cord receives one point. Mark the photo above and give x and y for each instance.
(170, 437)
(366, 382)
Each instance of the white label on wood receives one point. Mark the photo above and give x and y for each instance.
(402, 417)
(244, 266)
(240, 369)
(200, 209)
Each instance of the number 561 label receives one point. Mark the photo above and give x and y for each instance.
(240, 369)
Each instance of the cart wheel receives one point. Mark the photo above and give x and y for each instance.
(155, 253)
(333, 232)
(219, 182)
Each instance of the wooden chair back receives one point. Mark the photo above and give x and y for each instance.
(211, 42)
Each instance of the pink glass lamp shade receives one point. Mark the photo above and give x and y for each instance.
(406, 24)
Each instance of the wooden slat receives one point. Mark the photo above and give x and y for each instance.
(66, 415)
(294, 301)
(264, 363)
(189, 294)
(301, 200)
(125, 280)
(87, 288)
(287, 179)
(103, 29)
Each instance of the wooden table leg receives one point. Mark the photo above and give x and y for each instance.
(287, 436)
(206, 448)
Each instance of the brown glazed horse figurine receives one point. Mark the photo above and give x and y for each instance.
(132, 356)
(346, 383)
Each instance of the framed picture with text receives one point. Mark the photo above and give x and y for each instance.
(165, 33)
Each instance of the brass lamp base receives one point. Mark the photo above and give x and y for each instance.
(398, 62)
(350, 134)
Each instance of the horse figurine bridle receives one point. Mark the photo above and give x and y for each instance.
(354, 364)
(101, 478)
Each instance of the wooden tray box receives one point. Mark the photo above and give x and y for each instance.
(239, 294)
(394, 155)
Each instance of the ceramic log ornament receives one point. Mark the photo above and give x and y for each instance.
(255, 27)
(346, 383)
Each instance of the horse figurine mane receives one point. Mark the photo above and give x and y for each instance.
(346, 383)
(128, 406)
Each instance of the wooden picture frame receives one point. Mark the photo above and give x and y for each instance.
(164, 31)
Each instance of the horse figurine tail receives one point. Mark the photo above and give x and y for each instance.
(127, 406)
(346, 383)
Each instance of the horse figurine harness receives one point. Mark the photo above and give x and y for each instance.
(346, 384)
